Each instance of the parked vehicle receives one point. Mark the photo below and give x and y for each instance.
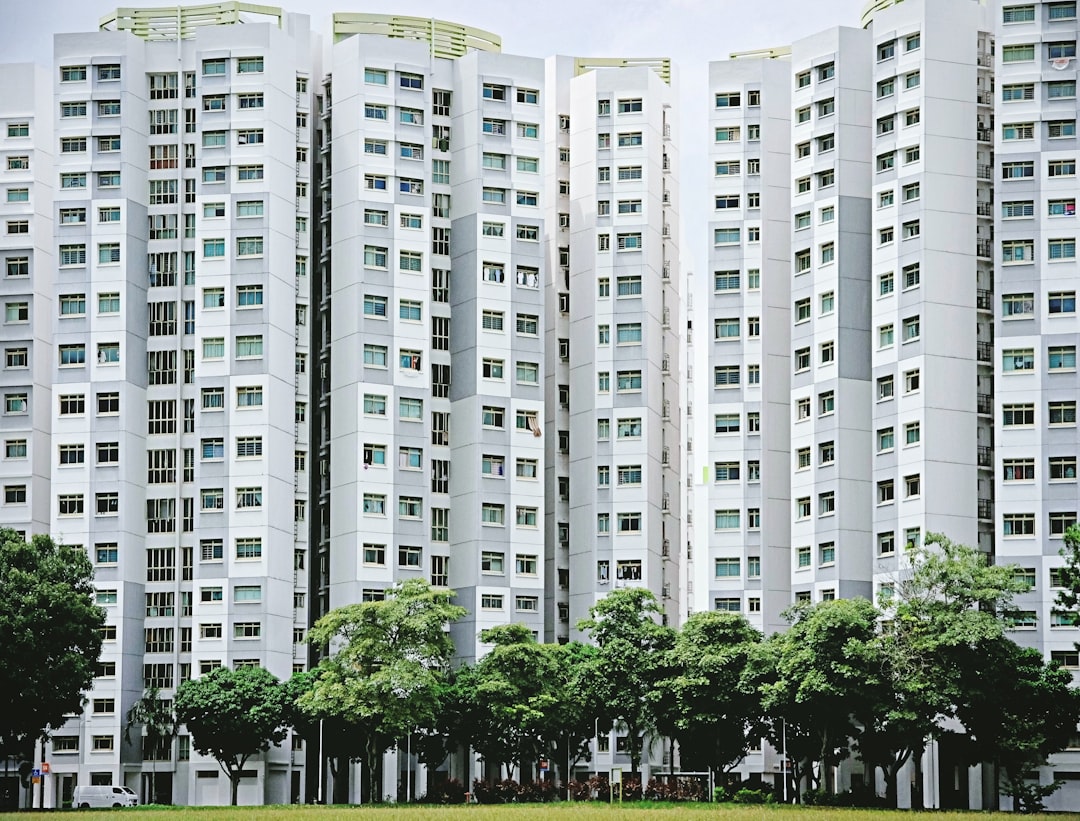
(96, 795)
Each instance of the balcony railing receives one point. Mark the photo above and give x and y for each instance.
(986, 509)
(984, 351)
(984, 300)
(986, 456)
(985, 403)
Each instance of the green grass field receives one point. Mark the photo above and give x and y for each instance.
(525, 812)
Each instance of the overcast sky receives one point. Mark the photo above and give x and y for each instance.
(692, 32)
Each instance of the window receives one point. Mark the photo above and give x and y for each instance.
(1059, 413)
(911, 329)
(1058, 129)
(1018, 359)
(1024, 415)
(493, 417)
(1018, 524)
(1061, 90)
(1061, 249)
(1062, 468)
(1061, 358)
(885, 492)
(247, 593)
(1018, 470)
(1062, 302)
(374, 504)
(828, 352)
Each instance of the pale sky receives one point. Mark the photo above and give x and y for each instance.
(692, 32)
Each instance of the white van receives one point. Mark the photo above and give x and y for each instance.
(96, 795)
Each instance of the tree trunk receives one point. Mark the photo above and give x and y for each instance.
(672, 780)
(634, 746)
(823, 773)
(234, 785)
(371, 764)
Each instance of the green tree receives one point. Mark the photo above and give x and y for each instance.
(1069, 597)
(630, 645)
(387, 676)
(570, 722)
(233, 715)
(707, 699)
(153, 715)
(941, 610)
(825, 684)
(1017, 710)
(51, 632)
(507, 696)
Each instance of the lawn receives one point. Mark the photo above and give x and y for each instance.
(525, 812)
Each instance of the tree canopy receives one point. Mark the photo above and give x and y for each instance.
(631, 641)
(232, 715)
(51, 632)
(385, 674)
(706, 699)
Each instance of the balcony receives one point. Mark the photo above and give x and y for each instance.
(984, 300)
(666, 412)
(665, 456)
(985, 404)
(986, 509)
(665, 364)
(986, 456)
(984, 135)
(984, 209)
(984, 248)
(665, 548)
(984, 351)
(985, 172)
(667, 317)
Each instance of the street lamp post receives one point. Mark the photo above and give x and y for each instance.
(784, 764)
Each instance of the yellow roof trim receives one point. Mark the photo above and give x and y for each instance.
(661, 65)
(180, 22)
(445, 38)
(775, 53)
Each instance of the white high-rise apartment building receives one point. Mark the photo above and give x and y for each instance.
(618, 337)
(169, 221)
(209, 176)
(742, 435)
(435, 166)
(475, 263)
(26, 246)
(885, 335)
(1035, 325)
(913, 409)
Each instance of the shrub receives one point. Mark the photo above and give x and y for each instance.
(508, 791)
(450, 791)
(749, 796)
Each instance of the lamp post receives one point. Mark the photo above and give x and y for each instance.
(321, 756)
(783, 738)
